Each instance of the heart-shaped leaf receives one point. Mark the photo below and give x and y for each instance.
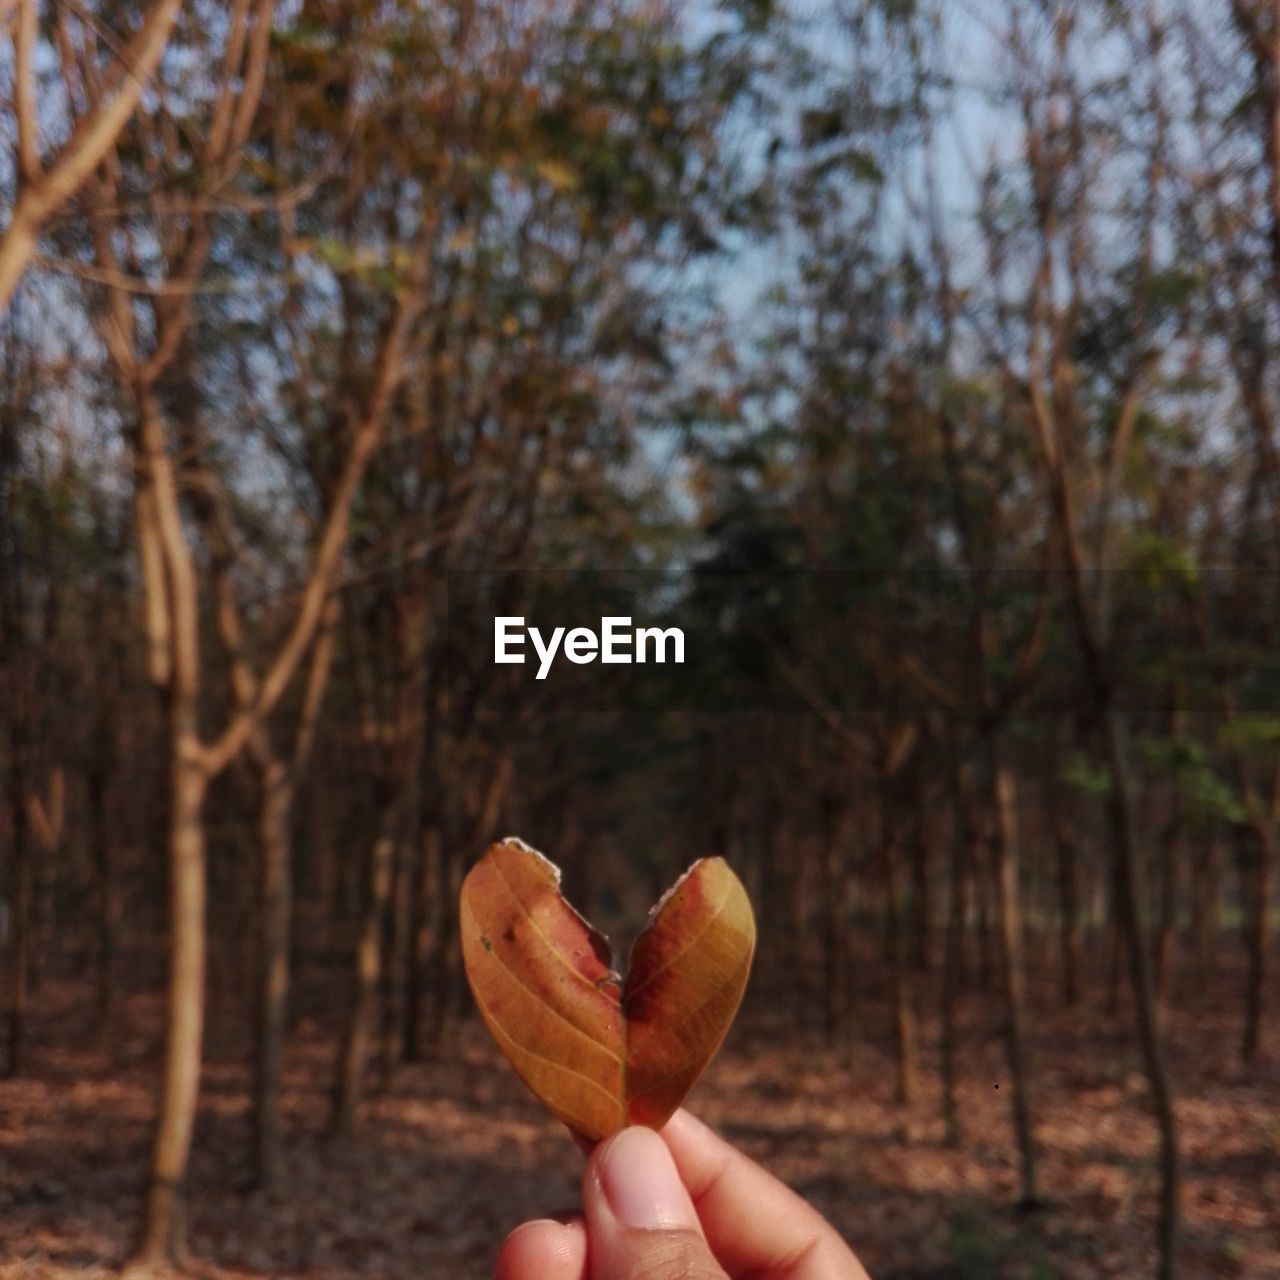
(602, 1053)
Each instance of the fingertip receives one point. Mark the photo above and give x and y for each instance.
(684, 1127)
(700, 1153)
(754, 1222)
(635, 1174)
(544, 1250)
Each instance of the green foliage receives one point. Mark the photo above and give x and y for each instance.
(974, 1244)
(1257, 736)
(1205, 795)
(1209, 796)
(981, 1247)
(1087, 775)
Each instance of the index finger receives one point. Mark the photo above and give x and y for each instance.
(754, 1224)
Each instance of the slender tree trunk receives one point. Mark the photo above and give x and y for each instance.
(920, 952)
(483, 813)
(1115, 953)
(1128, 898)
(278, 782)
(1004, 847)
(962, 842)
(399, 960)
(982, 899)
(1170, 860)
(20, 919)
(1204, 908)
(1163, 949)
(361, 1024)
(1068, 903)
(904, 1017)
(428, 901)
(44, 822)
(1092, 644)
(275, 811)
(796, 931)
(964, 891)
(173, 631)
(772, 880)
(164, 1227)
(419, 936)
(100, 842)
(12, 610)
(1257, 904)
(444, 967)
(833, 925)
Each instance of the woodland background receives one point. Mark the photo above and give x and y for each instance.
(922, 361)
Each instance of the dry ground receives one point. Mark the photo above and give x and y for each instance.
(455, 1153)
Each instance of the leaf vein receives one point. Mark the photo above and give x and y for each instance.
(685, 1066)
(543, 1003)
(541, 1057)
(684, 951)
(524, 910)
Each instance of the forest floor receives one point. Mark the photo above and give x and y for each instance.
(454, 1153)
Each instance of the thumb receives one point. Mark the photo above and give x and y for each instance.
(641, 1223)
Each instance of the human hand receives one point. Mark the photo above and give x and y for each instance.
(683, 1205)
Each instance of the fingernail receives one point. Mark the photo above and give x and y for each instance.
(539, 1224)
(641, 1183)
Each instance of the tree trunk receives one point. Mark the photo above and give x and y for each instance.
(1068, 903)
(275, 800)
(1115, 953)
(796, 930)
(982, 900)
(1163, 949)
(361, 1024)
(20, 921)
(833, 925)
(164, 1228)
(1004, 847)
(483, 814)
(1204, 908)
(428, 900)
(399, 959)
(173, 631)
(904, 1017)
(444, 967)
(1092, 643)
(19, 712)
(100, 842)
(920, 908)
(773, 883)
(1256, 901)
(1128, 899)
(277, 793)
(962, 842)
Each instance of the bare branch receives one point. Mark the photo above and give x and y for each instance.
(837, 725)
(924, 679)
(92, 139)
(368, 437)
(24, 93)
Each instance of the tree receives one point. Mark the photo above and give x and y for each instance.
(1058, 177)
(145, 333)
